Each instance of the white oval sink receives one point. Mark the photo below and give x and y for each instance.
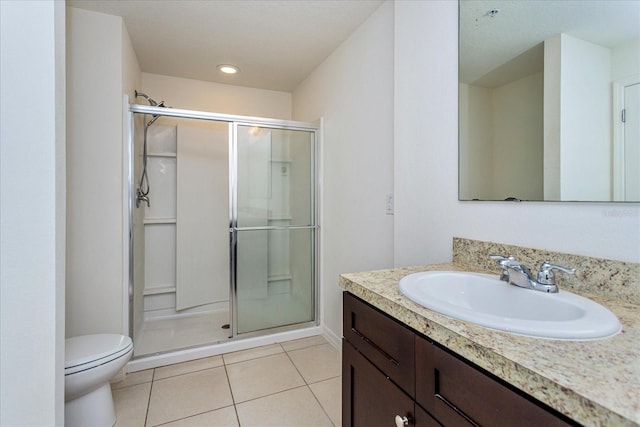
(485, 300)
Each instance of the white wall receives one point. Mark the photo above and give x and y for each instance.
(101, 66)
(32, 226)
(428, 214)
(518, 140)
(585, 120)
(426, 111)
(625, 60)
(215, 97)
(578, 93)
(552, 101)
(504, 158)
(202, 215)
(353, 91)
(476, 124)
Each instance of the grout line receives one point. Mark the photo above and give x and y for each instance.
(252, 358)
(326, 379)
(200, 413)
(308, 346)
(193, 415)
(273, 394)
(233, 399)
(235, 408)
(296, 368)
(146, 414)
(185, 373)
(226, 373)
(321, 405)
(308, 384)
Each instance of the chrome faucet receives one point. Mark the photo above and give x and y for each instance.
(515, 273)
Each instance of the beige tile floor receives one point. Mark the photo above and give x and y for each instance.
(295, 383)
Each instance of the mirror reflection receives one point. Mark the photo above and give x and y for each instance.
(549, 100)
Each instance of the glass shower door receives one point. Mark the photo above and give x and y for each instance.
(273, 228)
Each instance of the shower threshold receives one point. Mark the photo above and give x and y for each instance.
(227, 346)
(166, 334)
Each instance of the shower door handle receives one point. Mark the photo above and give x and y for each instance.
(274, 227)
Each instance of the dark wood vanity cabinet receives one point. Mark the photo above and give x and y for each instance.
(389, 370)
(371, 398)
(378, 369)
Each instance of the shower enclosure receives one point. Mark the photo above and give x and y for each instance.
(223, 227)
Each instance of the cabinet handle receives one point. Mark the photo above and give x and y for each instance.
(372, 344)
(401, 421)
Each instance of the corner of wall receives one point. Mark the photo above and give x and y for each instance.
(356, 153)
(97, 61)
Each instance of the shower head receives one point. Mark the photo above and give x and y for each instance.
(150, 122)
(151, 101)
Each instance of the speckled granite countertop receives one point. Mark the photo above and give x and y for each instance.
(596, 383)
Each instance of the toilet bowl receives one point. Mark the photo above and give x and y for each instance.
(91, 361)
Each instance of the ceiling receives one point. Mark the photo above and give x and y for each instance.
(275, 43)
(520, 27)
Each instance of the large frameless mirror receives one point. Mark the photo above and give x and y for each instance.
(549, 100)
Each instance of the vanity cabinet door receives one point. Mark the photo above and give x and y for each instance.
(388, 344)
(371, 399)
(423, 419)
(458, 394)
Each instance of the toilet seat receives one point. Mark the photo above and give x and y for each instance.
(88, 351)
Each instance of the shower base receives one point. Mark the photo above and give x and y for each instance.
(166, 334)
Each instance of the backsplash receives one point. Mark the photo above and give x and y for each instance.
(608, 278)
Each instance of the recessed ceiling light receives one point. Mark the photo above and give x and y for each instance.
(228, 69)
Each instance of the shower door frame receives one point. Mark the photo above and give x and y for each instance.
(233, 121)
(234, 229)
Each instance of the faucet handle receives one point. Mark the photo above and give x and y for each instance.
(503, 263)
(546, 275)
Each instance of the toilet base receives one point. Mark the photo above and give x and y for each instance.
(93, 409)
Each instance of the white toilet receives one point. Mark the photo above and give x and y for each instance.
(91, 361)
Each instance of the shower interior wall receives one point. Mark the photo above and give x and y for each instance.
(185, 239)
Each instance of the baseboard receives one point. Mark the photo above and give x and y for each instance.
(333, 339)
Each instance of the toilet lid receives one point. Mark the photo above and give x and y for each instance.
(87, 351)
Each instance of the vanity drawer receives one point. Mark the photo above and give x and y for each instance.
(369, 398)
(459, 394)
(385, 342)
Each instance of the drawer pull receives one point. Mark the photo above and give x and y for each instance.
(372, 344)
(436, 393)
(401, 421)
